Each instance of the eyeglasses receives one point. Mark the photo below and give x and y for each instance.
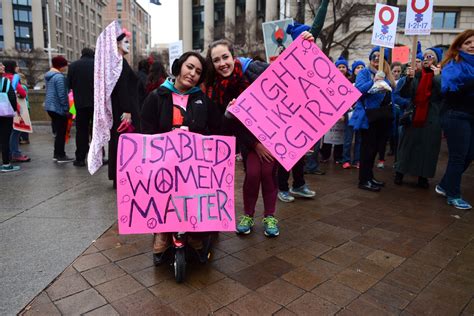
(429, 57)
(375, 57)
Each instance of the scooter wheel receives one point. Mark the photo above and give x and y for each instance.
(180, 265)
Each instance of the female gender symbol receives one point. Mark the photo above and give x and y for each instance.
(229, 180)
(419, 12)
(386, 23)
(193, 221)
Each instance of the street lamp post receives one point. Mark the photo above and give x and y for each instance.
(49, 33)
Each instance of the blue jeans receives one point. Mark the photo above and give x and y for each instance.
(349, 133)
(459, 130)
(15, 143)
(312, 160)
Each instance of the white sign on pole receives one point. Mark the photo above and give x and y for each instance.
(175, 51)
(275, 38)
(418, 20)
(385, 25)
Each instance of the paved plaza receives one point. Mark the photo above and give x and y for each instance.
(346, 252)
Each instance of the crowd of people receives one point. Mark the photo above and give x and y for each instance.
(409, 108)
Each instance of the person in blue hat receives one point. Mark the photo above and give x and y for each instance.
(349, 160)
(372, 115)
(420, 141)
(356, 67)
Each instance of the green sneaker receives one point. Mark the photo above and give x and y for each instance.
(271, 227)
(245, 225)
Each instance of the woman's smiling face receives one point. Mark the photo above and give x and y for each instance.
(222, 60)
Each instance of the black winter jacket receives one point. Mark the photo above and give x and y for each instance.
(80, 78)
(202, 115)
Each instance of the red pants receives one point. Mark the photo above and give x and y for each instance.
(257, 172)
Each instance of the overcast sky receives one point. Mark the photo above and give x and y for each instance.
(164, 20)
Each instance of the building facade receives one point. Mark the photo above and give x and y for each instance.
(203, 21)
(136, 20)
(74, 24)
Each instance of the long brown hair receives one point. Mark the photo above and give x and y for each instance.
(211, 72)
(453, 51)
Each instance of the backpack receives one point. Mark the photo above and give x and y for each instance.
(6, 109)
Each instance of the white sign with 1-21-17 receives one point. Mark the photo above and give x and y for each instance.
(418, 20)
(385, 25)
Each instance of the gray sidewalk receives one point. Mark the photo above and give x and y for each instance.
(49, 214)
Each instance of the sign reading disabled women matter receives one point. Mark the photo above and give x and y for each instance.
(385, 25)
(175, 182)
(418, 18)
(295, 102)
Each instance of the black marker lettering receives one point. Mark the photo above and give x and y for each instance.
(143, 213)
(280, 76)
(221, 201)
(139, 184)
(306, 85)
(123, 164)
(291, 54)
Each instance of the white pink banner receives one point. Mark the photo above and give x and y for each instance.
(22, 122)
(295, 101)
(418, 19)
(175, 182)
(385, 25)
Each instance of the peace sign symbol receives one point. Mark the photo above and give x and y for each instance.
(163, 181)
(123, 219)
(151, 223)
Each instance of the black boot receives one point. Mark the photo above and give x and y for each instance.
(423, 183)
(398, 178)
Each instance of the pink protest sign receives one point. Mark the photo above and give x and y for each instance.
(175, 182)
(295, 101)
(401, 54)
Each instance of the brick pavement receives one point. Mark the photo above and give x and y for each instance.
(347, 252)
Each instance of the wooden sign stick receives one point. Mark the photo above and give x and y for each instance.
(381, 58)
(413, 52)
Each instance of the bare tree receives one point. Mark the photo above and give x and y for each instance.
(34, 63)
(337, 31)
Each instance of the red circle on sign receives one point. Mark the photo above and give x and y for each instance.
(392, 15)
(419, 11)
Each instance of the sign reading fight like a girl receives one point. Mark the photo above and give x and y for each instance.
(418, 20)
(385, 25)
(298, 98)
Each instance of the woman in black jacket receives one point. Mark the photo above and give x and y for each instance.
(180, 104)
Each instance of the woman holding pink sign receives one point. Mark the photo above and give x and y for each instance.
(180, 104)
(226, 81)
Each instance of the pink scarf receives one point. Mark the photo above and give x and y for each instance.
(107, 69)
